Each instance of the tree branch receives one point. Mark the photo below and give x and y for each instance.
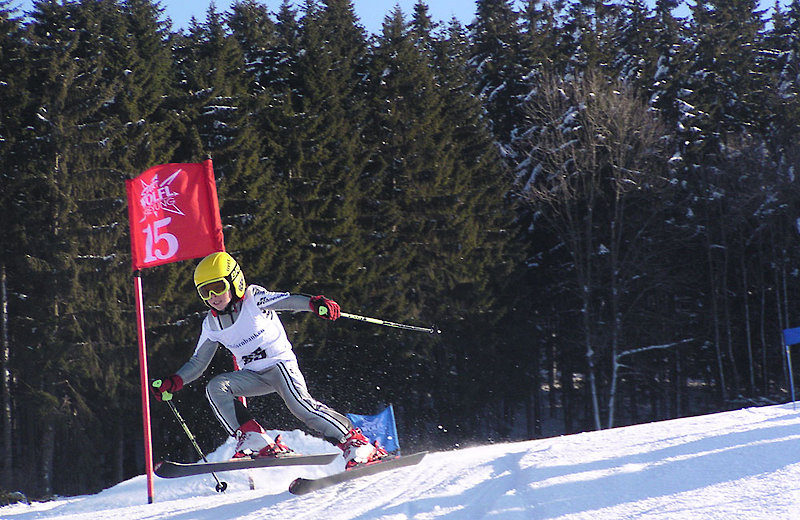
(652, 347)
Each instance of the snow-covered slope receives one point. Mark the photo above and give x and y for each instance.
(741, 464)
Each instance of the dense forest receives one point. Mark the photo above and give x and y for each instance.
(594, 200)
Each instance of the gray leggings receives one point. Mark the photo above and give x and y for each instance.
(285, 379)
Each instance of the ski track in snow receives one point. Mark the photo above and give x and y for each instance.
(740, 464)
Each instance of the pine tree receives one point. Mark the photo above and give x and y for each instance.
(14, 70)
(435, 216)
(783, 73)
(668, 56)
(496, 43)
(325, 156)
(724, 84)
(60, 354)
(408, 180)
(635, 61)
(266, 231)
(252, 27)
(210, 65)
(137, 127)
(540, 31)
(586, 39)
(721, 104)
(276, 74)
(141, 59)
(487, 238)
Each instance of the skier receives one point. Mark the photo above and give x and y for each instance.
(243, 318)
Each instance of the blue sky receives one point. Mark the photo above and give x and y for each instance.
(370, 12)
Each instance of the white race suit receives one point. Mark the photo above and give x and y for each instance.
(251, 329)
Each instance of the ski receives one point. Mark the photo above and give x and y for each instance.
(301, 486)
(169, 469)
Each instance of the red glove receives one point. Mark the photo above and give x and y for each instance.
(169, 385)
(324, 308)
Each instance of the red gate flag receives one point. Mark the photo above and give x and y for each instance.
(174, 214)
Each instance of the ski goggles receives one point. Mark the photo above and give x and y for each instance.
(213, 288)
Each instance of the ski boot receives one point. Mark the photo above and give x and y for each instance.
(253, 442)
(357, 450)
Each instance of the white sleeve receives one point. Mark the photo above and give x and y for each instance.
(292, 302)
(198, 363)
(278, 301)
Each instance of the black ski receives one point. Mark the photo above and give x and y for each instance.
(169, 469)
(301, 486)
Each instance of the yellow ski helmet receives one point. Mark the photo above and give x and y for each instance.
(220, 266)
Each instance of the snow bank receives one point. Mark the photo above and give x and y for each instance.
(740, 464)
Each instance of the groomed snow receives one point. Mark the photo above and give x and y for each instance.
(740, 464)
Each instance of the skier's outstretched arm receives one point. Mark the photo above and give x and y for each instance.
(320, 305)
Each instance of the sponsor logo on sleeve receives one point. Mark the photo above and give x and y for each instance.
(264, 299)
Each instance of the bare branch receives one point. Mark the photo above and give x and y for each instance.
(652, 347)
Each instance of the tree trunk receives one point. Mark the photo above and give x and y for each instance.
(534, 408)
(613, 392)
(750, 362)
(785, 320)
(552, 369)
(119, 455)
(568, 392)
(678, 384)
(590, 357)
(715, 317)
(655, 415)
(635, 392)
(586, 295)
(616, 327)
(728, 326)
(763, 338)
(781, 324)
(8, 451)
(48, 451)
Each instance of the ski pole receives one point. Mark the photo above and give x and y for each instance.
(376, 321)
(167, 397)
